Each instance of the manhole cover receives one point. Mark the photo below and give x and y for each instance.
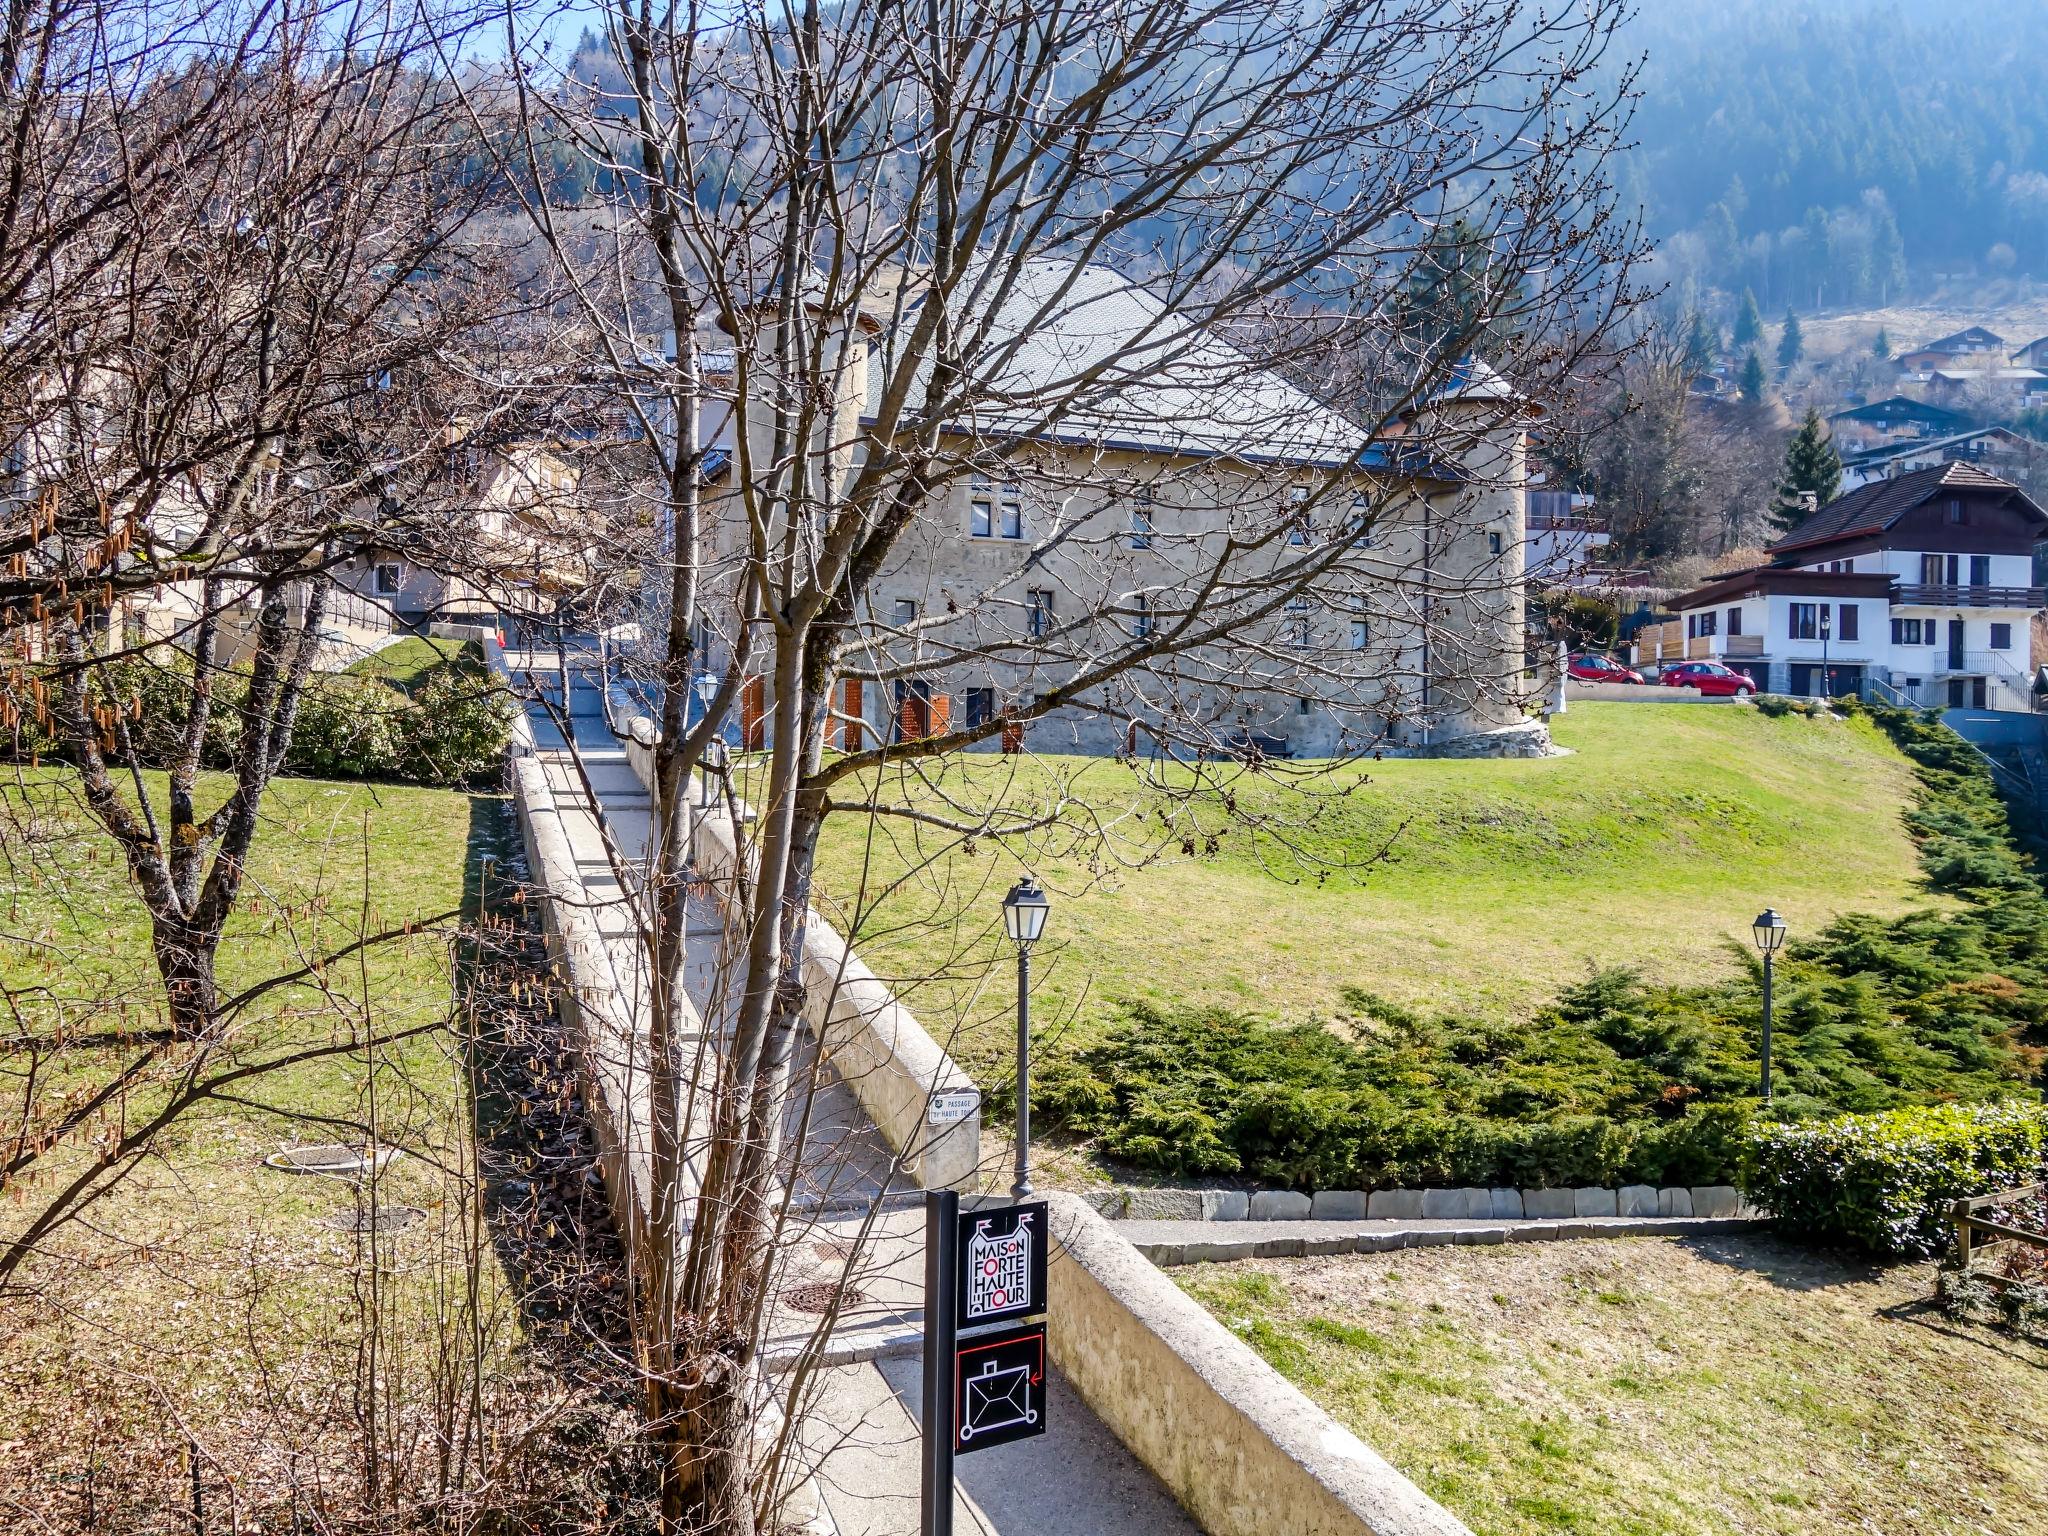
(333, 1158)
(385, 1218)
(819, 1297)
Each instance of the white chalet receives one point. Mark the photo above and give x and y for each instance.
(1915, 589)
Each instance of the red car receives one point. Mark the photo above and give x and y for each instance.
(1588, 668)
(1710, 677)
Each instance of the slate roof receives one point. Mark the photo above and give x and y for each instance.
(1173, 392)
(1873, 508)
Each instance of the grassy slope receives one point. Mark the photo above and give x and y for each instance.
(233, 1266)
(410, 661)
(1649, 1387)
(1653, 845)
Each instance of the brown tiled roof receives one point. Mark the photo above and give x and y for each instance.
(1875, 507)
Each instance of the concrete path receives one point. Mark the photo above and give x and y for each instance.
(1167, 1243)
(862, 1431)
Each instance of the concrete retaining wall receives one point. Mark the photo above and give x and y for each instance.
(894, 1067)
(1241, 1448)
(597, 1004)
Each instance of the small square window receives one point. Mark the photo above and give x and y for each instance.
(1141, 522)
(906, 611)
(388, 579)
(1493, 543)
(2001, 637)
(1141, 616)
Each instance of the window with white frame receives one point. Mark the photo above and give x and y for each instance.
(1038, 612)
(387, 580)
(1803, 622)
(1361, 522)
(1298, 516)
(2001, 637)
(1297, 627)
(1141, 520)
(994, 511)
(905, 611)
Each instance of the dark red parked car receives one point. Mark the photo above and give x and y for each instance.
(1590, 668)
(1710, 677)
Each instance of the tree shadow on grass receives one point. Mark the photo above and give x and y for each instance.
(1787, 1265)
(1925, 1312)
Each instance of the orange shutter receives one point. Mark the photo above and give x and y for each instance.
(754, 714)
(849, 732)
(939, 714)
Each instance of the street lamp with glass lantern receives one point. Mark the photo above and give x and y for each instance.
(1769, 929)
(1024, 912)
(712, 770)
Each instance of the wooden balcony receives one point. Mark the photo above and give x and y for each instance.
(1742, 645)
(1947, 596)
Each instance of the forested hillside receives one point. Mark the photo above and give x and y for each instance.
(1833, 152)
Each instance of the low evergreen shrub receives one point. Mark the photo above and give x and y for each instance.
(1616, 1080)
(1885, 1182)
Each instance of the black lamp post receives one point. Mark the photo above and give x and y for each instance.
(1024, 912)
(1769, 929)
(1827, 683)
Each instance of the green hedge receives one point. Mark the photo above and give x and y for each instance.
(1885, 1182)
(450, 730)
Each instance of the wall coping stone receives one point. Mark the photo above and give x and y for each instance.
(1173, 1203)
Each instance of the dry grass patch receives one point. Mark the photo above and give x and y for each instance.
(1659, 1386)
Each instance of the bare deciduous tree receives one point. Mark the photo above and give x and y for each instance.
(866, 274)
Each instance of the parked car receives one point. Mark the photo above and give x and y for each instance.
(1710, 677)
(1590, 668)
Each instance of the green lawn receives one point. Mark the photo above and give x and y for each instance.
(411, 661)
(1475, 886)
(1713, 1387)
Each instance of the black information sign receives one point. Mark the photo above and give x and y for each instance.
(1000, 1264)
(984, 1366)
(998, 1388)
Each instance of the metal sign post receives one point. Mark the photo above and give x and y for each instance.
(941, 1228)
(984, 1337)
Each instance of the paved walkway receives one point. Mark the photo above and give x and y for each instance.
(862, 1432)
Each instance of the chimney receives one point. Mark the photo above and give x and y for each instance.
(1809, 503)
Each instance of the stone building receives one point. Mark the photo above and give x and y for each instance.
(1064, 541)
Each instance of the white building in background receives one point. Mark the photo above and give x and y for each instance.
(1915, 589)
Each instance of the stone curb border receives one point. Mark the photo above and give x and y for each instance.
(1169, 1252)
(1147, 1204)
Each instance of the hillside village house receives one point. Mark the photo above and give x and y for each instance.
(1889, 422)
(1972, 348)
(1917, 589)
(1996, 450)
(1419, 647)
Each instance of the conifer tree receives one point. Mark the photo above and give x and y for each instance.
(1749, 322)
(1751, 382)
(1881, 345)
(1811, 464)
(1702, 344)
(1791, 344)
